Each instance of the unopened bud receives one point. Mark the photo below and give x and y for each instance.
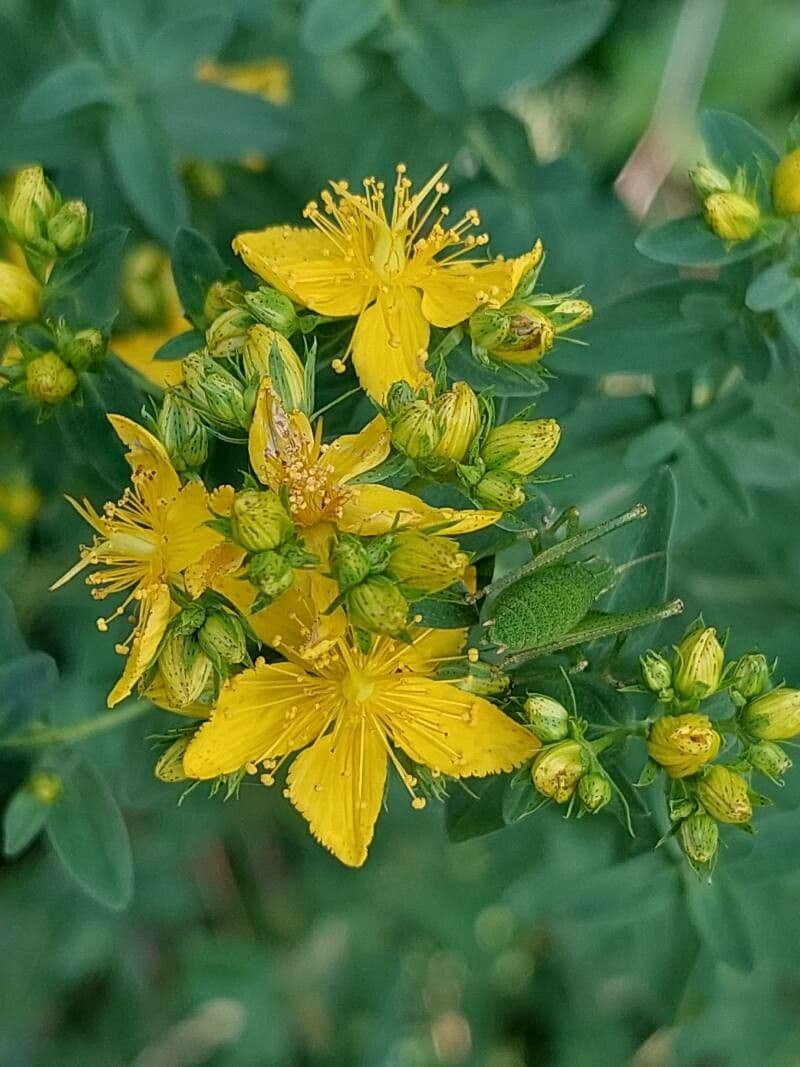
(169, 767)
(400, 394)
(182, 432)
(656, 671)
(259, 520)
(594, 792)
(521, 447)
(724, 795)
(273, 309)
(549, 720)
(227, 333)
(500, 489)
(270, 573)
(222, 637)
(515, 333)
(698, 669)
(70, 227)
(708, 180)
(377, 605)
(267, 353)
(699, 836)
(31, 205)
(188, 620)
(415, 429)
(49, 380)
(86, 349)
(216, 391)
(558, 769)
(185, 669)
(459, 420)
(769, 758)
(45, 786)
(425, 564)
(221, 296)
(350, 562)
(750, 675)
(681, 744)
(19, 294)
(775, 716)
(786, 184)
(732, 216)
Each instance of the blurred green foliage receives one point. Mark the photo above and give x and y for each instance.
(245, 945)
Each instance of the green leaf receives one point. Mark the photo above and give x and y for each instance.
(85, 287)
(426, 63)
(656, 445)
(26, 683)
(145, 170)
(775, 286)
(332, 25)
(90, 838)
(731, 142)
(503, 379)
(180, 345)
(23, 820)
(689, 241)
(214, 123)
(196, 265)
(476, 807)
(69, 87)
(174, 50)
(719, 919)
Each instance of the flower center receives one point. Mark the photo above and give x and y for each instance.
(388, 252)
(357, 687)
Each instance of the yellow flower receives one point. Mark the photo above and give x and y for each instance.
(681, 744)
(349, 713)
(399, 273)
(19, 294)
(143, 542)
(269, 78)
(288, 456)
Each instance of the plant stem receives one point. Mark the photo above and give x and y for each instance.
(79, 731)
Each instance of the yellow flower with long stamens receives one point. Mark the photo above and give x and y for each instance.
(350, 712)
(143, 542)
(288, 456)
(399, 272)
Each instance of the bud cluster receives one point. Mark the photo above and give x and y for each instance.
(202, 643)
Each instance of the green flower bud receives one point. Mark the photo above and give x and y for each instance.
(222, 638)
(594, 792)
(699, 837)
(699, 664)
(724, 795)
(274, 309)
(220, 297)
(350, 562)
(425, 564)
(70, 227)
(750, 675)
(708, 180)
(415, 430)
(682, 744)
(570, 314)
(185, 669)
(45, 786)
(558, 769)
(19, 294)
(732, 216)
(259, 520)
(769, 758)
(775, 716)
(501, 490)
(188, 620)
(656, 671)
(377, 605)
(219, 394)
(786, 184)
(516, 333)
(459, 418)
(399, 396)
(270, 573)
(266, 351)
(169, 767)
(86, 349)
(182, 432)
(49, 380)
(228, 332)
(32, 202)
(549, 719)
(520, 447)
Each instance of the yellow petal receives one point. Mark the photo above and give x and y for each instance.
(157, 694)
(154, 611)
(145, 452)
(448, 730)
(213, 565)
(453, 292)
(376, 509)
(307, 266)
(388, 340)
(137, 350)
(427, 651)
(276, 436)
(356, 453)
(263, 712)
(338, 784)
(188, 538)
